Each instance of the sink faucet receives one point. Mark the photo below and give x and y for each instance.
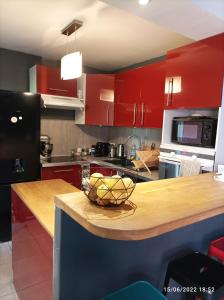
(132, 143)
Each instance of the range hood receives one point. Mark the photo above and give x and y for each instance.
(61, 102)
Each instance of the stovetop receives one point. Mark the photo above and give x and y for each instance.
(58, 159)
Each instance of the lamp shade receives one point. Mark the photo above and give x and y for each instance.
(71, 65)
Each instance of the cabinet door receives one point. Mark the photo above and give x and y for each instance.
(152, 95)
(50, 82)
(194, 74)
(99, 99)
(103, 170)
(32, 254)
(71, 174)
(127, 98)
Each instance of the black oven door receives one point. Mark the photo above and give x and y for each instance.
(187, 132)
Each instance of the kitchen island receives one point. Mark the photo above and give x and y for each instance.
(98, 250)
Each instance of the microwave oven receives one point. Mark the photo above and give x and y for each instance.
(194, 131)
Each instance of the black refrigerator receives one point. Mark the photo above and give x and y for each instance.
(19, 148)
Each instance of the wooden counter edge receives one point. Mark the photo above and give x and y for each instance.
(138, 234)
(17, 191)
(50, 232)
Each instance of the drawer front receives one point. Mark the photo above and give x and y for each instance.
(70, 174)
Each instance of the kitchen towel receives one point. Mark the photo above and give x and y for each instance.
(190, 167)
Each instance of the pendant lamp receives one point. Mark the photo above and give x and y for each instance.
(71, 63)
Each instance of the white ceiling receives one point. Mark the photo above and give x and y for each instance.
(196, 19)
(111, 37)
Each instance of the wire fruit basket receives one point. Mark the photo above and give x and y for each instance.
(108, 190)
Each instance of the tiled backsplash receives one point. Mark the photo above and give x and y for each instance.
(147, 136)
(65, 135)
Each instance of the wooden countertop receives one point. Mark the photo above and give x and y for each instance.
(156, 207)
(38, 196)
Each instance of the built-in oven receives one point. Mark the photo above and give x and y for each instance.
(194, 131)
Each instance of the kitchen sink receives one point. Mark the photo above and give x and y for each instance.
(119, 161)
(115, 161)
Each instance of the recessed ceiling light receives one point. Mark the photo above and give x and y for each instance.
(143, 2)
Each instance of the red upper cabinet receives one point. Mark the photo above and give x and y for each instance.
(194, 74)
(47, 80)
(99, 108)
(127, 97)
(139, 96)
(152, 95)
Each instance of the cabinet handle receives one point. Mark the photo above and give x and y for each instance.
(171, 95)
(108, 113)
(58, 90)
(170, 88)
(134, 117)
(63, 170)
(143, 112)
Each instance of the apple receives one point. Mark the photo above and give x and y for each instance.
(96, 179)
(103, 192)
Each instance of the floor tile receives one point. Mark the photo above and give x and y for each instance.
(5, 254)
(6, 274)
(10, 244)
(10, 297)
(7, 289)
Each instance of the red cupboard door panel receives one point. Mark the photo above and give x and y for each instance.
(77, 179)
(71, 174)
(127, 98)
(99, 99)
(200, 67)
(152, 95)
(32, 253)
(102, 170)
(50, 82)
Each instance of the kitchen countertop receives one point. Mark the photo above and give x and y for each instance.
(100, 160)
(155, 208)
(38, 196)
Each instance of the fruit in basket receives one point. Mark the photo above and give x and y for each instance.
(103, 192)
(107, 181)
(92, 195)
(96, 179)
(128, 183)
(116, 183)
(119, 195)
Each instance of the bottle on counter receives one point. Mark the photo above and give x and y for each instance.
(93, 149)
(133, 152)
(85, 151)
(79, 151)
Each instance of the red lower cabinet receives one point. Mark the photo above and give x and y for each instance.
(70, 174)
(32, 254)
(103, 170)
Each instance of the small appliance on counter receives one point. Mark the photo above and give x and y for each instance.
(45, 147)
(101, 149)
(120, 150)
(112, 151)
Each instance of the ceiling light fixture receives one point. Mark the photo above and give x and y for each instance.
(143, 2)
(71, 63)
